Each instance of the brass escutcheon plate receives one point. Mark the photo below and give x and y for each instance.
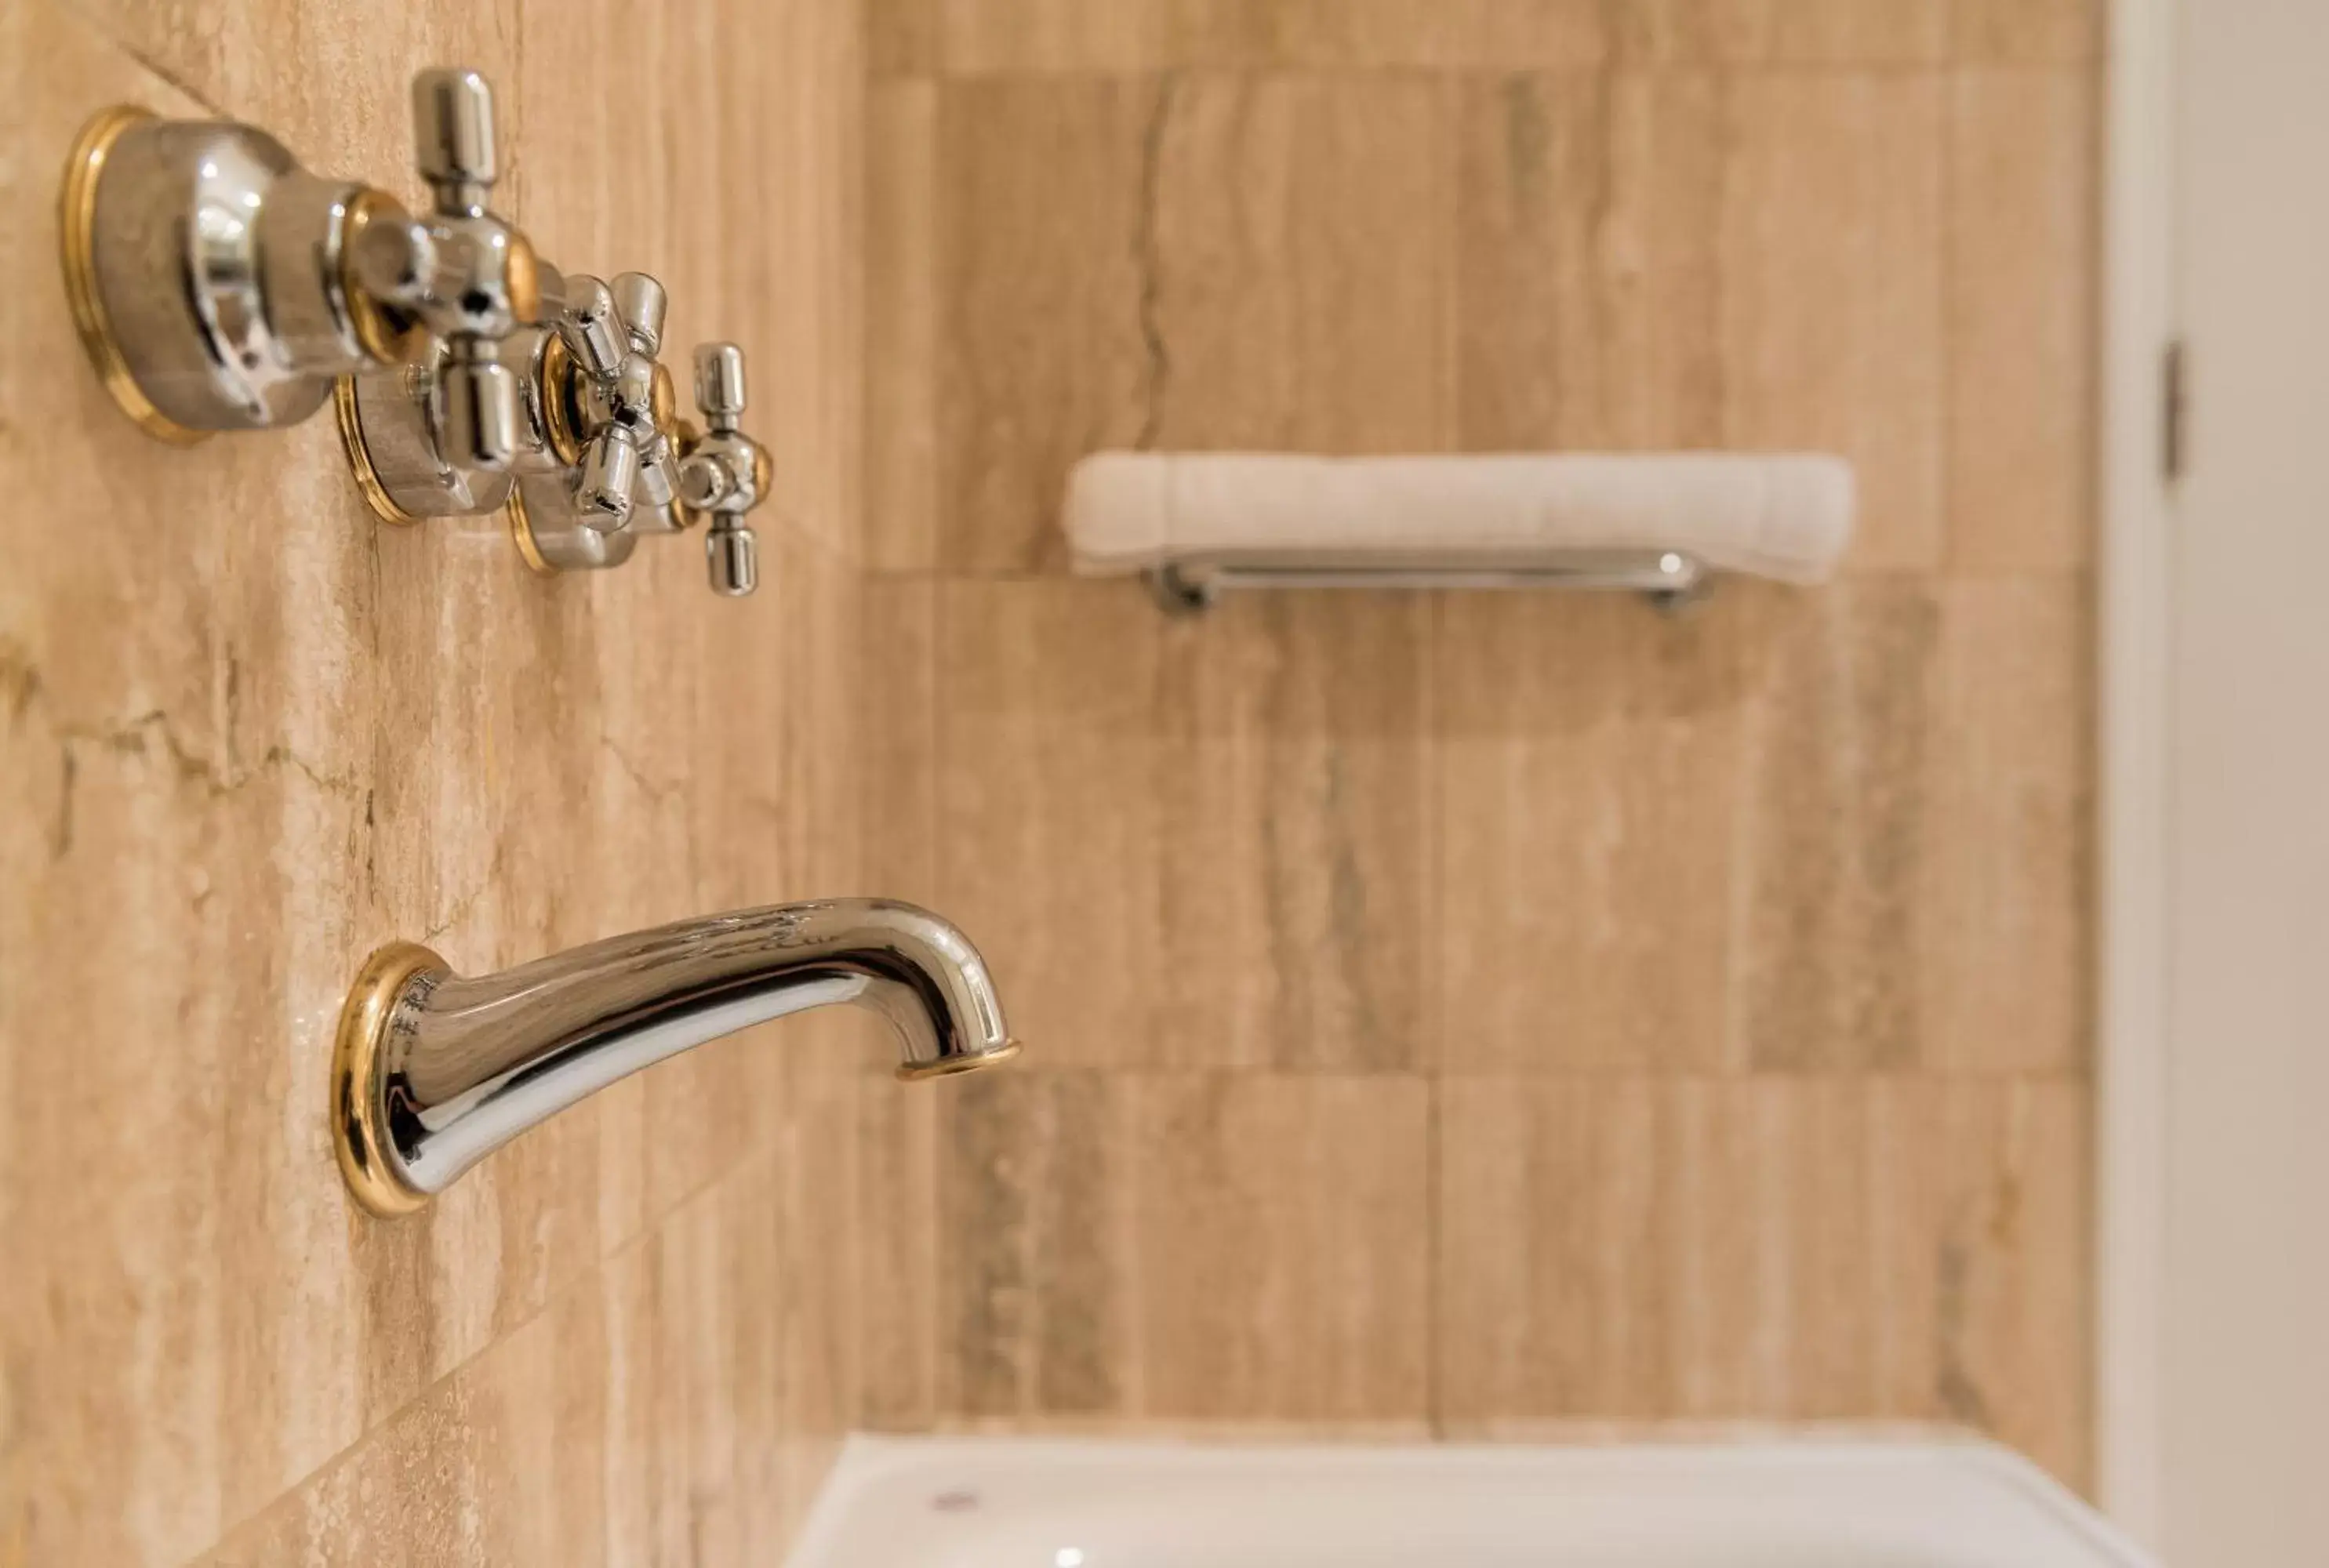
(358, 1127)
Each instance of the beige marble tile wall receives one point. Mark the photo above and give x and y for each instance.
(1463, 1015)
(246, 733)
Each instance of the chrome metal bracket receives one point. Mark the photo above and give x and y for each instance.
(1670, 581)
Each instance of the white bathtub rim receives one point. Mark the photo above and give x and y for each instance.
(869, 1459)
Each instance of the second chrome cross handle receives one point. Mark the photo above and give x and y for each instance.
(634, 456)
(612, 336)
(602, 457)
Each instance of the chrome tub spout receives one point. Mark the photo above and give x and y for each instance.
(433, 1071)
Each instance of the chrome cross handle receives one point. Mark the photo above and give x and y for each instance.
(725, 473)
(613, 335)
(463, 272)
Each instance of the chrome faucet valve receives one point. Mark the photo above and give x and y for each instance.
(218, 285)
(725, 473)
(465, 273)
(612, 335)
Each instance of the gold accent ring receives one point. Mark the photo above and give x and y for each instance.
(378, 331)
(360, 1135)
(948, 1067)
(521, 531)
(351, 440)
(76, 253)
(560, 428)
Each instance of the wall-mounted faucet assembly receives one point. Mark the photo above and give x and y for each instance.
(218, 286)
(433, 1071)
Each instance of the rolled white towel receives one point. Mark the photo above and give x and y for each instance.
(1784, 516)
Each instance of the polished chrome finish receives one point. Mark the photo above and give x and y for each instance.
(1668, 577)
(549, 536)
(725, 473)
(719, 384)
(453, 138)
(610, 467)
(477, 402)
(641, 303)
(734, 555)
(592, 326)
(595, 462)
(205, 271)
(218, 285)
(593, 469)
(481, 283)
(391, 423)
(613, 334)
(596, 466)
(433, 1071)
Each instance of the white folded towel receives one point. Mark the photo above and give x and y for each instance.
(1787, 517)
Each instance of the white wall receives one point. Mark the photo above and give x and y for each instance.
(2245, 1412)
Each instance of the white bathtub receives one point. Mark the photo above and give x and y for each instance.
(987, 1503)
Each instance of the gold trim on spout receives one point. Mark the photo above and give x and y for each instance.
(359, 1109)
(948, 1067)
